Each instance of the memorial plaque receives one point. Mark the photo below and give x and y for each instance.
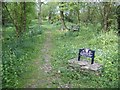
(86, 53)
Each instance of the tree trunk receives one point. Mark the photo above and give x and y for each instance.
(78, 13)
(18, 29)
(106, 17)
(13, 21)
(3, 20)
(62, 17)
(24, 9)
(88, 17)
(21, 16)
(118, 16)
(49, 16)
(39, 14)
(62, 20)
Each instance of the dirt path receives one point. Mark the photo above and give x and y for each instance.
(42, 75)
(41, 67)
(46, 52)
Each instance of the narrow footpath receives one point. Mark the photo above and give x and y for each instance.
(41, 67)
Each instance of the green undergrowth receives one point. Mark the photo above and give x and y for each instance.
(18, 54)
(66, 46)
(20, 57)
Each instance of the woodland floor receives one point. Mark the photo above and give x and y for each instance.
(49, 68)
(41, 68)
(41, 76)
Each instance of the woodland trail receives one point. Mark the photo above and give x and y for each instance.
(40, 77)
(43, 76)
(46, 52)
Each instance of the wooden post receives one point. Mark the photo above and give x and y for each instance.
(93, 57)
(79, 54)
